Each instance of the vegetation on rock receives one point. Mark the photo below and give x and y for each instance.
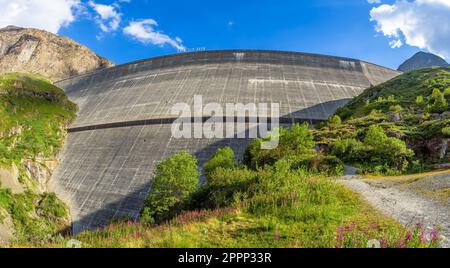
(33, 117)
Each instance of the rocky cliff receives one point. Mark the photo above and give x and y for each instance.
(37, 51)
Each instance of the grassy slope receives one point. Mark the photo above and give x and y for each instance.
(33, 116)
(405, 88)
(286, 209)
(416, 122)
(393, 106)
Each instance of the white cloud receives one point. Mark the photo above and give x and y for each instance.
(144, 31)
(48, 15)
(421, 23)
(374, 1)
(108, 17)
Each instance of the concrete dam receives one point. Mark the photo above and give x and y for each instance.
(123, 127)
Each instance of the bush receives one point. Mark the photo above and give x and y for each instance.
(295, 141)
(447, 91)
(224, 158)
(225, 187)
(328, 165)
(396, 108)
(175, 180)
(419, 100)
(5, 197)
(335, 121)
(376, 150)
(386, 150)
(349, 150)
(439, 104)
(51, 207)
(446, 132)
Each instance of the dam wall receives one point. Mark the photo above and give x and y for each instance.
(123, 127)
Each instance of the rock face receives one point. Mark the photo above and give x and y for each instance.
(422, 60)
(41, 171)
(9, 179)
(56, 57)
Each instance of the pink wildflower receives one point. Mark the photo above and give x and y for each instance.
(277, 236)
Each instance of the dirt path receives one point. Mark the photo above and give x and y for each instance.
(406, 206)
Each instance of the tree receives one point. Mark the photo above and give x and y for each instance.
(175, 180)
(223, 158)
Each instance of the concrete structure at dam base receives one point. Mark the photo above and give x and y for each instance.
(124, 124)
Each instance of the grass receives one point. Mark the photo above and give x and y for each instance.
(313, 212)
(407, 178)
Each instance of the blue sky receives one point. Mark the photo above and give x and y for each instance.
(333, 27)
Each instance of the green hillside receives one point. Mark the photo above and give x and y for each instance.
(402, 90)
(33, 116)
(408, 118)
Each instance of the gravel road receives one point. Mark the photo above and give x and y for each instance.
(404, 205)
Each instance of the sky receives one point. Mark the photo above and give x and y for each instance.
(385, 32)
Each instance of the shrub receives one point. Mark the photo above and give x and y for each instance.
(446, 132)
(386, 150)
(335, 121)
(51, 207)
(377, 151)
(175, 180)
(328, 165)
(439, 103)
(226, 186)
(295, 141)
(223, 158)
(349, 150)
(396, 108)
(5, 197)
(419, 100)
(447, 92)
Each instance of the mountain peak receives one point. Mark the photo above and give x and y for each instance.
(422, 60)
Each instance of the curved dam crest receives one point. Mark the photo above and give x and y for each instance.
(123, 127)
